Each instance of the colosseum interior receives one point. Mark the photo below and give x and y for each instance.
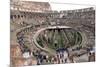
(41, 36)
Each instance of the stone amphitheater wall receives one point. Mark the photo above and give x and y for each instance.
(81, 19)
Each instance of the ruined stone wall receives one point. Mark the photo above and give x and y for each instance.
(30, 6)
(82, 19)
